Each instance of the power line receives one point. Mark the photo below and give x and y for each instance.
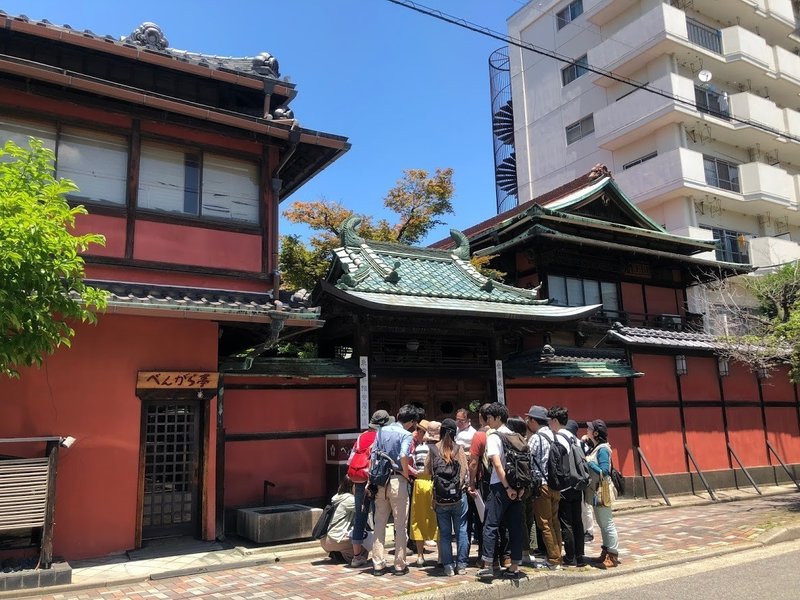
(511, 41)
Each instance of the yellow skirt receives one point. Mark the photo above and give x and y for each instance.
(423, 517)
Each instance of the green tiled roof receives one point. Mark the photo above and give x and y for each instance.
(303, 368)
(397, 276)
(582, 363)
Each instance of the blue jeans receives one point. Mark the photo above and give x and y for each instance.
(605, 522)
(360, 521)
(502, 510)
(453, 518)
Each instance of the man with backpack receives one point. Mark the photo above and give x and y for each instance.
(570, 507)
(508, 462)
(388, 485)
(548, 463)
(358, 472)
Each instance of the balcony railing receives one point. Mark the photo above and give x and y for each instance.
(704, 36)
(672, 322)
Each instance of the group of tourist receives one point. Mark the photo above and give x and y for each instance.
(525, 490)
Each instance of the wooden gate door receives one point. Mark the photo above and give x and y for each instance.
(172, 433)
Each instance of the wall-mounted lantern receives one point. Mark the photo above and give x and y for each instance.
(724, 367)
(680, 365)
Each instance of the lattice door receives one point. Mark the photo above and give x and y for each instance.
(171, 468)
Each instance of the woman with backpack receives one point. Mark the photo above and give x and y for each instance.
(447, 464)
(337, 539)
(599, 463)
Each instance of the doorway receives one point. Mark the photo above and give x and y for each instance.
(171, 447)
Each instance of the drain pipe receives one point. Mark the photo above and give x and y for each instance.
(277, 184)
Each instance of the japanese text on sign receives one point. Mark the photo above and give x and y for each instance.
(178, 380)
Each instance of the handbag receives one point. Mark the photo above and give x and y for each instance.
(608, 493)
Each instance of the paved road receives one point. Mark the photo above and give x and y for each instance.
(644, 538)
(770, 572)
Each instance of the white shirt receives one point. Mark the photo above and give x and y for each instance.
(494, 447)
(464, 438)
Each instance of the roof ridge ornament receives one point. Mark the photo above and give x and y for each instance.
(266, 64)
(599, 170)
(149, 35)
(462, 249)
(347, 231)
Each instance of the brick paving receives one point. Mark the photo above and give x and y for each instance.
(660, 534)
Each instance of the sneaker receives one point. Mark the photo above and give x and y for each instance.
(400, 572)
(506, 562)
(378, 572)
(449, 571)
(546, 564)
(539, 553)
(357, 562)
(509, 574)
(588, 537)
(485, 573)
(461, 569)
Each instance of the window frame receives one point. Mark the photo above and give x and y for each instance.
(732, 184)
(580, 125)
(568, 14)
(574, 70)
(201, 153)
(727, 244)
(601, 287)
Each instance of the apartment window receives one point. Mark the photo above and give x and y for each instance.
(190, 182)
(570, 13)
(731, 245)
(571, 291)
(580, 129)
(97, 163)
(639, 160)
(711, 102)
(572, 72)
(721, 173)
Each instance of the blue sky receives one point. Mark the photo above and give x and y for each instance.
(408, 91)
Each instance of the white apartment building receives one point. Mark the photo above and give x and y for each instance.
(700, 159)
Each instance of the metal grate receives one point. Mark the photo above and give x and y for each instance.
(421, 352)
(170, 466)
(23, 492)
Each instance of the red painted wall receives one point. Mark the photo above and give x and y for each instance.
(740, 384)
(662, 300)
(778, 387)
(583, 404)
(660, 439)
(746, 435)
(186, 245)
(701, 381)
(705, 436)
(88, 392)
(248, 464)
(111, 227)
(658, 382)
(632, 299)
(135, 275)
(784, 434)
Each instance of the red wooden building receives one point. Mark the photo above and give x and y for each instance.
(182, 160)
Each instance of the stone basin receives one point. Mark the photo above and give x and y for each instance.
(280, 523)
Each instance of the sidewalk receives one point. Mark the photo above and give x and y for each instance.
(651, 535)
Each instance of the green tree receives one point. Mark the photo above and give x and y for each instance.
(41, 271)
(418, 199)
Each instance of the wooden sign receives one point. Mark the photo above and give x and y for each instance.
(176, 380)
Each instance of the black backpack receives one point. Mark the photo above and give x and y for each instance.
(323, 524)
(448, 483)
(382, 468)
(578, 471)
(518, 461)
(558, 465)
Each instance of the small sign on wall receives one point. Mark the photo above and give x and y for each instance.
(363, 392)
(176, 380)
(498, 373)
